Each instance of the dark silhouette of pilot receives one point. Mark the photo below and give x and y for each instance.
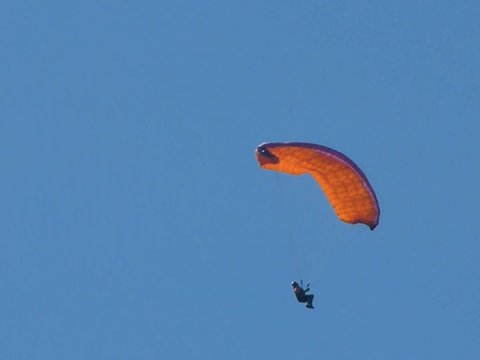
(301, 294)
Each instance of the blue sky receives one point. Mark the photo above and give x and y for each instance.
(136, 224)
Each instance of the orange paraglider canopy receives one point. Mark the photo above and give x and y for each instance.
(344, 183)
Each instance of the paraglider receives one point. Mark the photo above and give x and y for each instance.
(343, 182)
(301, 294)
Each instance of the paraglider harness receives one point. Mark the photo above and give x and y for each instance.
(302, 295)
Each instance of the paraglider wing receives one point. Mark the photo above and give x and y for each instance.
(344, 183)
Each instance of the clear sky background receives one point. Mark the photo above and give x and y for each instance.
(136, 224)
